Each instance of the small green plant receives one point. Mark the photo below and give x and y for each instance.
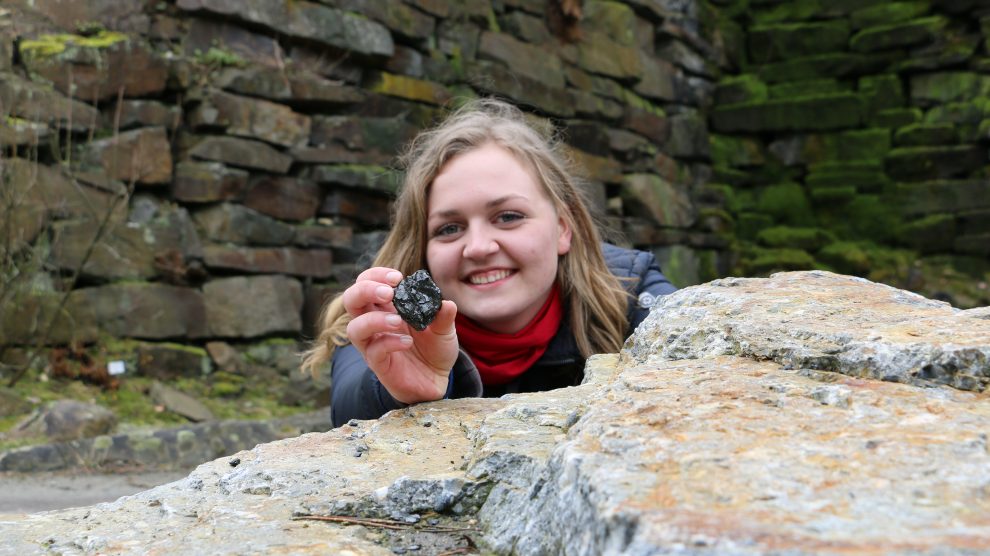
(218, 57)
(90, 28)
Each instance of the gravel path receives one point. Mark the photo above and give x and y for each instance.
(36, 492)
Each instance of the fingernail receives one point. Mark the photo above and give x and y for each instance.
(393, 277)
(406, 340)
(394, 320)
(383, 292)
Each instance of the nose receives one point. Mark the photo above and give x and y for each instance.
(479, 243)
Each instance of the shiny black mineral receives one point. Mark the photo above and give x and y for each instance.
(417, 299)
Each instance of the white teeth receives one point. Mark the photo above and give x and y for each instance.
(488, 277)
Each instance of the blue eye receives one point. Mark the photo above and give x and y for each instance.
(509, 216)
(446, 230)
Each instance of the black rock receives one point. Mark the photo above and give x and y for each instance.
(417, 299)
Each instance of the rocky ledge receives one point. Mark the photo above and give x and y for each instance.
(805, 413)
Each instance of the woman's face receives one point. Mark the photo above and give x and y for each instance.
(494, 238)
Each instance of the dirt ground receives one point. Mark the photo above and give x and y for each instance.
(37, 492)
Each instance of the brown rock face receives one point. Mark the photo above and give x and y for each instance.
(283, 197)
(232, 306)
(125, 15)
(145, 310)
(314, 263)
(715, 431)
(243, 153)
(84, 72)
(142, 155)
(36, 102)
(204, 182)
(252, 118)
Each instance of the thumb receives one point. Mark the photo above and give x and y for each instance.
(443, 324)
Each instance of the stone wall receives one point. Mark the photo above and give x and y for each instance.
(853, 135)
(230, 162)
(234, 159)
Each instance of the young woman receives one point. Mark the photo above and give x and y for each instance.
(529, 289)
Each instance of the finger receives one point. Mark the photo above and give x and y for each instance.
(385, 275)
(362, 329)
(367, 295)
(380, 350)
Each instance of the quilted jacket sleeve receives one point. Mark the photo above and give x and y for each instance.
(356, 392)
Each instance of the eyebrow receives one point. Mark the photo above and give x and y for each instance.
(490, 204)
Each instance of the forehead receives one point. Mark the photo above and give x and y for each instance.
(488, 169)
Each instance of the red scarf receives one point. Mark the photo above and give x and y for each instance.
(503, 357)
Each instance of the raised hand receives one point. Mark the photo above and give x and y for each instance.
(413, 366)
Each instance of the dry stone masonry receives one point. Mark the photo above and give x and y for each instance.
(806, 413)
(218, 151)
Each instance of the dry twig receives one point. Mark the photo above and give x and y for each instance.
(382, 523)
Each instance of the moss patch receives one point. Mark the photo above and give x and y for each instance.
(47, 46)
(763, 262)
(896, 117)
(808, 239)
(787, 203)
(867, 259)
(808, 87)
(728, 151)
(867, 217)
(888, 13)
(741, 88)
(930, 234)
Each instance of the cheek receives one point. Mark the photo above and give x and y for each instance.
(438, 262)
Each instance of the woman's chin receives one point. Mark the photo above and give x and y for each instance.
(497, 319)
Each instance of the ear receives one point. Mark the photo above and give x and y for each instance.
(563, 237)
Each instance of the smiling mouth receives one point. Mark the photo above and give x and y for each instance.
(488, 277)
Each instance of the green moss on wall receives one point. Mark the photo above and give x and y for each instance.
(741, 88)
(931, 234)
(926, 134)
(847, 257)
(749, 224)
(762, 262)
(870, 144)
(887, 13)
(896, 117)
(832, 196)
(807, 239)
(787, 203)
(809, 87)
(781, 41)
(46, 46)
(868, 217)
(731, 151)
(795, 10)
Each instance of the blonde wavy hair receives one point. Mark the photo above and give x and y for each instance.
(596, 300)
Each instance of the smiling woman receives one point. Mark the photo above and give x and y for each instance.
(530, 291)
(494, 238)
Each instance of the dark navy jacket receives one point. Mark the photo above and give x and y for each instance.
(357, 393)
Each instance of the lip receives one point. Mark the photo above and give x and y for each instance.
(509, 273)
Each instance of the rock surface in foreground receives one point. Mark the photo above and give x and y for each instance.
(695, 440)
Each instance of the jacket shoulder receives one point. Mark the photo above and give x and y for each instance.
(627, 263)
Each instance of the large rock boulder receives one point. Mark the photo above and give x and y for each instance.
(66, 420)
(807, 413)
